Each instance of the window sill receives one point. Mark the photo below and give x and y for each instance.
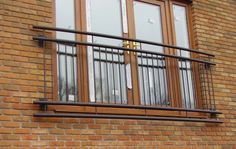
(116, 111)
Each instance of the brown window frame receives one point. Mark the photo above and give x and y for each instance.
(83, 85)
(189, 20)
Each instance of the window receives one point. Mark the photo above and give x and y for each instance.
(128, 59)
(94, 74)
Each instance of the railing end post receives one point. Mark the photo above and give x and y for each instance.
(207, 66)
(213, 115)
(40, 41)
(43, 106)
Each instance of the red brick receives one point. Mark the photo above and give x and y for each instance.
(10, 124)
(11, 112)
(5, 130)
(22, 131)
(29, 137)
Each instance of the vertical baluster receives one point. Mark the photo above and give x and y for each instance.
(44, 73)
(204, 85)
(76, 74)
(113, 72)
(159, 80)
(144, 94)
(154, 78)
(188, 88)
(119, 63)
(73, 71)
(212, 88)
(164, 80)
(183, 82)
(59, 72)
(208, 86)
(107, 79)
(201, 85)
(94, 75)
(148, 77)
(125, 74)
(195, 100)
(66, 69)
(169, 78)
(94, 70)
(100, 72)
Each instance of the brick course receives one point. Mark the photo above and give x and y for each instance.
(21, 63)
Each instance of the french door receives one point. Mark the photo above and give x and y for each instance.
(149, 24)
(132, 81)
(106, 66)
(106, 75)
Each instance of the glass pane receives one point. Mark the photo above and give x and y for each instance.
(148, 24)
(181, 29)
(67, 74)
(152, 81)
(61, 77)
(66, 55)
(152, 76)
(65, 18)
(182, 39)
(110, 82)
(105, 16)
(106, 67)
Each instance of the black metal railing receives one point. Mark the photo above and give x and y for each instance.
(168, 77)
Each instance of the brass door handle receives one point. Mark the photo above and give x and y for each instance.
(126, 44)
(135, 45)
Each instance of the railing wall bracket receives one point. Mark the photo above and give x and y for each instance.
(43, 106)
(41, 43)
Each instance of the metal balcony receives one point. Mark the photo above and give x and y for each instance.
(169, 78)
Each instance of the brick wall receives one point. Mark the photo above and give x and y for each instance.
(21, 63)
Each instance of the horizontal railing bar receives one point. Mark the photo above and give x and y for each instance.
(121, 48)
(151, 57)
(185, 69)
(119, 38)
(152, 66)
(108, 61)
(108, 52)
(122, 63)
(68, 54)
(108, 116)
(124, 106)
